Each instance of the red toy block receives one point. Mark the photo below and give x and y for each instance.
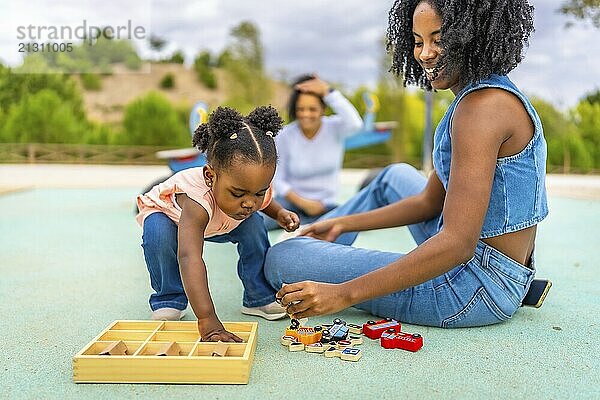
(373, 329)
(400, 340)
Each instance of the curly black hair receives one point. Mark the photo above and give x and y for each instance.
(296, 93)
(228, 136)
(478, 38)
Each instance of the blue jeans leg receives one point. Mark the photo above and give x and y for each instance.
(159, 242)
(394, 183)
(486, 290)
(252, 245)
(305, 219)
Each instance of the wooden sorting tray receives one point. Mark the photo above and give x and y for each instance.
(141, 341)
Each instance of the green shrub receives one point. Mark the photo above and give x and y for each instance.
(13, 87)
(133, 62)
(167, 81)
(207, 77)
(203, 58)
(91, 82)
(152, 120)
(177, 58)
(42, 117)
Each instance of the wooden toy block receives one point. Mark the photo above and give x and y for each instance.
(400, 340)
(169, 349)
(117, 348)
(315, 348)
(286, 340)
(332, 351)
(145, 339)
(373, 330)
(347, 354)
(355, 340)
(355, 329)
(296, 346)
(342, 344)
(351, 354)
(220, 349)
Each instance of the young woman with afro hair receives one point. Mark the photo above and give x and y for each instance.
(474, 219)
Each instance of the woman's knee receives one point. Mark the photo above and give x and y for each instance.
(401, 170)
(282, 258)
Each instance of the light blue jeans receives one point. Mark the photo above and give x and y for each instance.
(485, 290)
(159, 242)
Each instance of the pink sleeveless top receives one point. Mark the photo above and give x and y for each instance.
(161, 198)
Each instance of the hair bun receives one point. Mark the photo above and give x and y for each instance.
(201, 137)
(224, 121)
(266, 118)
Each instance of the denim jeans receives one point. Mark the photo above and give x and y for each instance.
(159, 242)
(485, 290)
(271, 224)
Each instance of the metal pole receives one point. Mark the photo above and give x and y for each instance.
(427, 136)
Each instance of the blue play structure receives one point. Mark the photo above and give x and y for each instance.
(372, 133)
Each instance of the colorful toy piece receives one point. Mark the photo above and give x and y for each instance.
(315, 348)
(319, 340)
(347, 354)
(351, 354)
(339, 330)
(355, 329)
(400, 340)
(304, 334)
(373, 330)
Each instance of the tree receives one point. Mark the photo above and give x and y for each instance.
(157, 43)
(593, 97)
(246, 45)
(248, 86)
(583, 10)
(42, 117)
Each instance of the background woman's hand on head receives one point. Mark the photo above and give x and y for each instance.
(315, 86)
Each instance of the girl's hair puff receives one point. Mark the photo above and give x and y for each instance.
(229, 137)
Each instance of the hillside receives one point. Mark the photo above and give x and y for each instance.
(123, 86)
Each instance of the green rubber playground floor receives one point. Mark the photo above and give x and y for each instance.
(71, 263)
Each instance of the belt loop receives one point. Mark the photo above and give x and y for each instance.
(487, 251)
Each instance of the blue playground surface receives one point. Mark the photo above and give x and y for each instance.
(71, 263)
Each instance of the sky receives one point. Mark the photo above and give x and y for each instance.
(342, 41)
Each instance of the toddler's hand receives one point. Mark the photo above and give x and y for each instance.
(212, 330)
(288, 220)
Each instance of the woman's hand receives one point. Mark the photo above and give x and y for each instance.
(308, 298)
(312, 207)
(315, 86)
(288, 220)
(327, 230)
(212, 330)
